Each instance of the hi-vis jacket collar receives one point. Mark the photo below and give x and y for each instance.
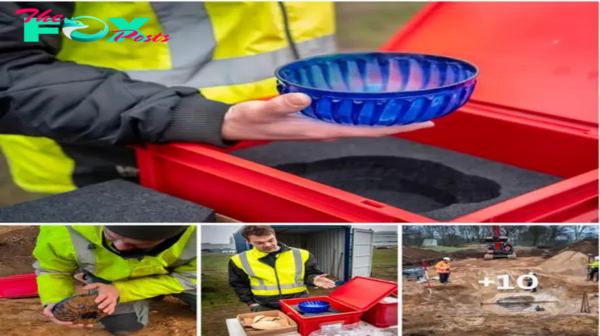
(260, 254)
(97, 239)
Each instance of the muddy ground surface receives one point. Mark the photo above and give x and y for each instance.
(466, 307)
(23, 317)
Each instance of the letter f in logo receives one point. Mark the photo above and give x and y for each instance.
(32, 29)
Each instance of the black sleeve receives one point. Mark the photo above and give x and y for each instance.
(239, 281)
(75, 103)
(311, 270)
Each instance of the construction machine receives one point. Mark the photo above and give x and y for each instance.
(499, 246)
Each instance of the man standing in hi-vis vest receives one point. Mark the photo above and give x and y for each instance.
(195, 73)
(272, 271)
(125, 265)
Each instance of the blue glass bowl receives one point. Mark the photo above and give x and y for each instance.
(313, 307)
(379, 88)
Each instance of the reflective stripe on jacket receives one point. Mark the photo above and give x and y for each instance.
(61, 251)
(286, 278)
(227, 50)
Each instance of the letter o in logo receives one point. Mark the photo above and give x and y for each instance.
(81, 37)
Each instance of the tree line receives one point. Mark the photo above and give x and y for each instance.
(523, 235)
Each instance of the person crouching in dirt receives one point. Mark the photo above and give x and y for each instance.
(594, 269)
(443, 268)
(272, 271)
(530, 282)
(125, 265)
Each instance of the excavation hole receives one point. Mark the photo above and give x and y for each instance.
(516, 303)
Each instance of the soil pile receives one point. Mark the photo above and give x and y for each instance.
(568, 262)
(560, 295)
(416, 255)
(465, 254)
(411, 255)
(584, 246)
(16, 247)
(524, 253)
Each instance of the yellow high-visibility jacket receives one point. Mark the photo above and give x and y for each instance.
(61, 251)
(68, 117)
(257, 277)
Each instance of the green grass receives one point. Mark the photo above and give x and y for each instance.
(363, 26)
(385, 257)
(216, 292)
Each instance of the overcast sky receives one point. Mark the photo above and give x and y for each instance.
(219, 234)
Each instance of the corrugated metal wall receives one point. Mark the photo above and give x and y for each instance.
(326, 246)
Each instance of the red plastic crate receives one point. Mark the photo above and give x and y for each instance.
(538, 113)
(18, 286)
(382, 315)
(352, 299)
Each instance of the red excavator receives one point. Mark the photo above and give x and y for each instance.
(499, 246)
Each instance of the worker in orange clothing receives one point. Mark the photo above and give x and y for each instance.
(443, 268)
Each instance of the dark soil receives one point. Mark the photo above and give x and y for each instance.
(584, 246)
(16, 247)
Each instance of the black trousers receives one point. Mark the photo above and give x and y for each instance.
(132, 316)
(593, 273)
(127, 323)
(444, 277)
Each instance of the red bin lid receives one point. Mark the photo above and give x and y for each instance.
(363, 293)
(18, 286)
(537, 58)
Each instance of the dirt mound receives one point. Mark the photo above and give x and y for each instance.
(478, 310)
(16, 247)
(411, 255)
(464, 254)
(584, 246)
(568, 262)
(20, 241)
(525, 253)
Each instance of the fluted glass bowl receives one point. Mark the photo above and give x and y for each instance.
(379, 88)
(313, 307)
